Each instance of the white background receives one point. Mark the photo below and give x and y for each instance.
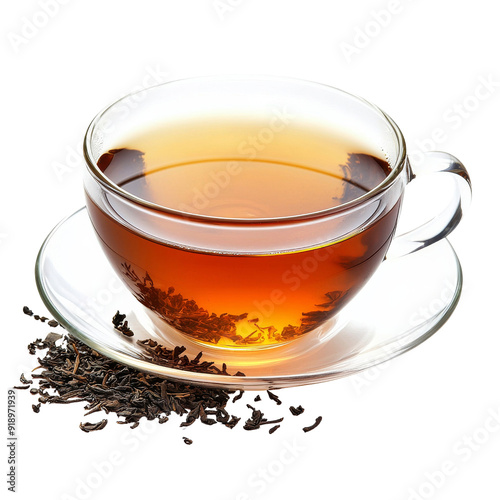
(384, 434)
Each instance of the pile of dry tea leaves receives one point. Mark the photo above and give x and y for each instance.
(72, 372)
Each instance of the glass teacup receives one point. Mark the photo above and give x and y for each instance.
(246, 212)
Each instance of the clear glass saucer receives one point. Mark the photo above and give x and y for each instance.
(407, 300)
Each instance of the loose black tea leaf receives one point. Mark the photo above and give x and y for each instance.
(274, 429)
(121, 324)
(52, 323)
(52, 338)
(313, 426)
(278, 420)
(238, 396)
(296, 410)
(118, 319)
(233, 422)
(258, 419)
(187, 440)
(88, 427)
(275, 398)
(24, 380)
(257, 398)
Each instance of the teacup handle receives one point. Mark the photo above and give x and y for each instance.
(445, 221)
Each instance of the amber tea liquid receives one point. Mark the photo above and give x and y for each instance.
(229, 170)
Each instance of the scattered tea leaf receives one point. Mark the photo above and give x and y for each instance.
(238, 396)
(273, 397)
(313, 426)
(121, 324)
(89, 427)
(296, 410)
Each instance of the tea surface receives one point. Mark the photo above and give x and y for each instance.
(216, 172)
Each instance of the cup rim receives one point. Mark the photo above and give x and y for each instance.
(109, 185)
